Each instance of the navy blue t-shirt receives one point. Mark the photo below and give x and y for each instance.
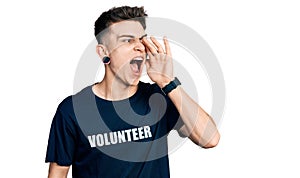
(126, 138)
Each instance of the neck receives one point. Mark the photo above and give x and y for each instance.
(113, 89)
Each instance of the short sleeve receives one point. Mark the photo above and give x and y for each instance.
(61, 143)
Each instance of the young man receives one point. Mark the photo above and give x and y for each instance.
(118, 127)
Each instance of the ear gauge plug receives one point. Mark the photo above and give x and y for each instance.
(106, 60)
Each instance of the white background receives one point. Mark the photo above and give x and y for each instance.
(256, 42)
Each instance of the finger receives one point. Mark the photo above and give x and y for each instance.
(167, 46)
(160, 49)
(149, 54)
(150, 46)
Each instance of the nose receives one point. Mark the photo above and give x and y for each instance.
(139, 46)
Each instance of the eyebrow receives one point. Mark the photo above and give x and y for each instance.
(142, 37)
(131, 36)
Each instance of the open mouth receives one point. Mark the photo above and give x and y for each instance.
(136, 64)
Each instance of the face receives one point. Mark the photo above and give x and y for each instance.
(126, 51)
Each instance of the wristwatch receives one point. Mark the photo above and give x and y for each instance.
(171, 86)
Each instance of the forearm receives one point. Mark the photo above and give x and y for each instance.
(56, 171)
(198, 125)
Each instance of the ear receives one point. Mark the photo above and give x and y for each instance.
(101, 50)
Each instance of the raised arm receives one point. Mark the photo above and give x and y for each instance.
(198, 125)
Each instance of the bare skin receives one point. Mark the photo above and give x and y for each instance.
(198, 125)
(57, 171)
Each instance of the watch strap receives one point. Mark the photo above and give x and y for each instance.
(171, 86)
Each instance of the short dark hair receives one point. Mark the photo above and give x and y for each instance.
(118, 14)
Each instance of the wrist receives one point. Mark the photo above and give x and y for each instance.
(167, 88)
(164, 83)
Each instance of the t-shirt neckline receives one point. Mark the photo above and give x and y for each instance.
(131, 98)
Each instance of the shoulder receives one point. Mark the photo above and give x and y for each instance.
(67, 105)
